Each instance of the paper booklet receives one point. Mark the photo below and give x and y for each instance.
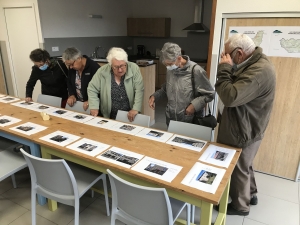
(78, 117)
(126, 128)
(156, 135)
(24, 104)
(204, 177)
(7, 120)
(101, 122)
(120, 157)
(60, 138)
(218, 155)
(187, 142)
(88, 147)
(156, 168)
(59, 112)
(28, 128)
(40, 107)
(8, 99)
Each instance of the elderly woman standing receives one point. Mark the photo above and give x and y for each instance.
(81, 71)
(182, 102)
(120, 86)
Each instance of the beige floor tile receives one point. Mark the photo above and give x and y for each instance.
(20, 176)
(25, 219)
(252, 222)
(10, 211)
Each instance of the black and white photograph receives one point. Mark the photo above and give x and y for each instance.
(43, 107)
(58, 138)
(80, 117)
(60, 112)
(8, 99)
(154, 133)
(127, 127)
(25, 128)
(127, 160)
(154, 168)
(102, 122)
(220, 155)
(87, 147)
(111, 155)
(26, 103)
(3, 121)
(206, 177)
(194, 143)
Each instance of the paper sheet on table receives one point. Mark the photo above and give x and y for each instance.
(156, 135)
(218, 155)
(58, 112)
(101, 122)
(156, 168)
(126, 128)
(78, 117)
(88, 147)
(8, 99)
(40, 107)
(187, 142)
(8, 120)
(60, 138)
(24, 104)
(204, 177)
(120, 157)
(28, 128)
(1, 96)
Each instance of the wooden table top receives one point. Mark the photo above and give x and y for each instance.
(165, 152)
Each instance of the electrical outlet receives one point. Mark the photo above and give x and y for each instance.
(129, 48)
(55, 49)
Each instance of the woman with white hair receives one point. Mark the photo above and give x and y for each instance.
(120, 86)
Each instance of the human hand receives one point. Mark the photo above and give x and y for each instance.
(94, 112)
(28, 99)
(225, 58)
(190, 110)
(131, 114)
(152, 102)
(85, 105)
(71, 100)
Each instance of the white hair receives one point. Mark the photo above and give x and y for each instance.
(118, 54)
(242, 41)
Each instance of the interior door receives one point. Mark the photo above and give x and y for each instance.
(22, 39)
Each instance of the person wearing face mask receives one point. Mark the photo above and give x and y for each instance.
(246, 85)
(52, 74)
(182, 104)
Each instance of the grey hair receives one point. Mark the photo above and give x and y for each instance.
(71, 53)
(118, 54)
(242, 41)
(170, 51)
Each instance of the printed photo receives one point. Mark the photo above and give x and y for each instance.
(220, 155)
(198, 144)
(8, 99)
(127, 127)
(26, 103)
(154, 133)
(103, 121)
(127, 160)
(3, 121)
(25, 128)
(80, 117)
(111, 155)
(153, 168)
(43, 107)
(58, 138)
(60, 112)
(206, 177)
(87, 147)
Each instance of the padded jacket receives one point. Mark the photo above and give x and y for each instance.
(248, 96)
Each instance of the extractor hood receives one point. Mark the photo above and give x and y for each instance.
(198, 25)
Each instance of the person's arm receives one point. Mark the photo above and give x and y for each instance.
(138, 86)
(93, 90)
(31, 83)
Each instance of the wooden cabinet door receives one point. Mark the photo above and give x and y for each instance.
(132, 26)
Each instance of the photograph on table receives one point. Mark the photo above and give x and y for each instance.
(60, 138)
(8, 99)
(8, 120)
(101, 122)
(40, 107)
(78, 117)
(28, 128)
(187, 142)
(88, 147)
(154, 168)
(155, 135)
(206, 177)
(59, 112)
(126, 128)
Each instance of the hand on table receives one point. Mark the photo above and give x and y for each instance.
(94, 112)
(85, 105)
(71, 100)
(131, 114)
(152, 102)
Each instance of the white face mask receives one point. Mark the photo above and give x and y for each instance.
(173, 67)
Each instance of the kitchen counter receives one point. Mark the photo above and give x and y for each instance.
(136, 57)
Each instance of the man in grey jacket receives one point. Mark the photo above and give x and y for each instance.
(246, 86)
(182, 102)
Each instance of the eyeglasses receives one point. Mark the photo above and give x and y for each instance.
(72, 64)
(119, 67)
(234, 50)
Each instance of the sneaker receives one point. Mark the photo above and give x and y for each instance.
(254, 200)
(233, 211)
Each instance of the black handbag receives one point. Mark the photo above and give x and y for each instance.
(207, 120)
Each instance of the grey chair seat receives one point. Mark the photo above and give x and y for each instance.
(140, 119)
(78, 107)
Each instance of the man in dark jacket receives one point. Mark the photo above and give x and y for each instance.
(81, 71)
(246, 87)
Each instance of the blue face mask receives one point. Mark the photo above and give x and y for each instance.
(173, 67)
(43, 67)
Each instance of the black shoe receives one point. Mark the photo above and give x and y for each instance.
(232, 211)
(254, 200)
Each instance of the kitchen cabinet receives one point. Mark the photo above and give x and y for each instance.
(149, 27)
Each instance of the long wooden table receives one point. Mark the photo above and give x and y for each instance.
(172, 154)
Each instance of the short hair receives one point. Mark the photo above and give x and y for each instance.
(116, 53)
(170, 51)
(242, 41)
(71, 53)
(39, 55)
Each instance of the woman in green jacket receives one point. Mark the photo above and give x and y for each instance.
(119, 85)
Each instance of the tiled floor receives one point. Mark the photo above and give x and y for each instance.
(279, 201)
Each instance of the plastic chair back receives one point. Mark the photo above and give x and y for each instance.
(190, 130)
(147, 205)
(78, 107)
(140, 119)
(49, 100)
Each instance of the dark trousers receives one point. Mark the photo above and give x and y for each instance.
(243, 185)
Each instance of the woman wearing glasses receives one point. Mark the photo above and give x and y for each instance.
(120, 86)
(81, 71)
(52, 74)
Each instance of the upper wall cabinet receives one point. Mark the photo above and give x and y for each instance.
(148, 27)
